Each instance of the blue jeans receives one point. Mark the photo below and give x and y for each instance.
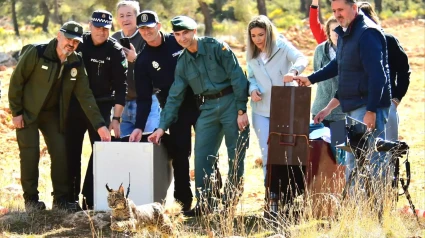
(378, 161)
(392, 125)
(129, 117)
(261, 128)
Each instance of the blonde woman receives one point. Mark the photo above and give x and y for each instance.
(271, 61)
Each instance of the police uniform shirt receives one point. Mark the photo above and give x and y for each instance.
(154, 68)
(106, 67)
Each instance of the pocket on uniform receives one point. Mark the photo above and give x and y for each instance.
(195, 82)
(216, 73)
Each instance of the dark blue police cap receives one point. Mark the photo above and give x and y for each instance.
(147, 18)
(101, 18)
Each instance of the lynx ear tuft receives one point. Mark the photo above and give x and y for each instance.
(107, 188)
(121, 189)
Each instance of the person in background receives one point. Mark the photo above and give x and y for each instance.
(126, 15)
(106, 67)
(39, 95)
(271, 61)
(316, 27)
(324, 53)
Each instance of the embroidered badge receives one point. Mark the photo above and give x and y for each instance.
(103, 15)
(144, 18)
(156, 65)
(74, 72)
(76, 29)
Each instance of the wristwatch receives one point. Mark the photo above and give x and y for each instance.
(241, 112)
(117, 118)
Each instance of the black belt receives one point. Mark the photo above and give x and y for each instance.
(222, 93)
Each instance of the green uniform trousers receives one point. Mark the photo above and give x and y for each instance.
(218, 118)
(29, 147)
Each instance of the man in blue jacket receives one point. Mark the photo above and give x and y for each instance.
(362, 66)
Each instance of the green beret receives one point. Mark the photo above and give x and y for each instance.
(180, 23)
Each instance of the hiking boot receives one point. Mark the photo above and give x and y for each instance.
(34, 206)
(32, 203)
(63, 204)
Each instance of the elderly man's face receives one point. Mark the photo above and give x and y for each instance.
(66, 45)
(344, 12)
(126, 18)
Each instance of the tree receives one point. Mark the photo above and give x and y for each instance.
(261, 6)
(304, 7)
(378, 5)
(45, 9)
(207, 17)
(14, 18)
(56, 17)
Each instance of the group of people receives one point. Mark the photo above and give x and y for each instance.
(178, 81)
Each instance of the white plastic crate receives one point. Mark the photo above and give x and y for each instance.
(148, 164)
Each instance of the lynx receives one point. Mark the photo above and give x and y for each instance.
(127, 217)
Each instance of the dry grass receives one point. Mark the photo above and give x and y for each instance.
(356, 217)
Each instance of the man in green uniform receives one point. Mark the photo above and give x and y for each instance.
(39, 94)
(211, 69)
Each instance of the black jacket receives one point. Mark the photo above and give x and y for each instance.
(106, 66)
(399, 67)
(154, 68)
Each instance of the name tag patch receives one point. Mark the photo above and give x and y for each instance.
(44, 67)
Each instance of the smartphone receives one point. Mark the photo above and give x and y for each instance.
(125, 42)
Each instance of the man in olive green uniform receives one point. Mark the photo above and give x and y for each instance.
(211, 69)
(39, 93)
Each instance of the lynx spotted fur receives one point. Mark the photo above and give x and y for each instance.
(127, 217)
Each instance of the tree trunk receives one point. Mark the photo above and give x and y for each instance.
(45, 9)
(207, 18)
(56, 17)
(303, 7)
(14, 19)
(261, 6)
(378, 5)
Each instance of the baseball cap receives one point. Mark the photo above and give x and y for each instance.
(147, 18)
(101, 18)
(72, 30)
(180, 23)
